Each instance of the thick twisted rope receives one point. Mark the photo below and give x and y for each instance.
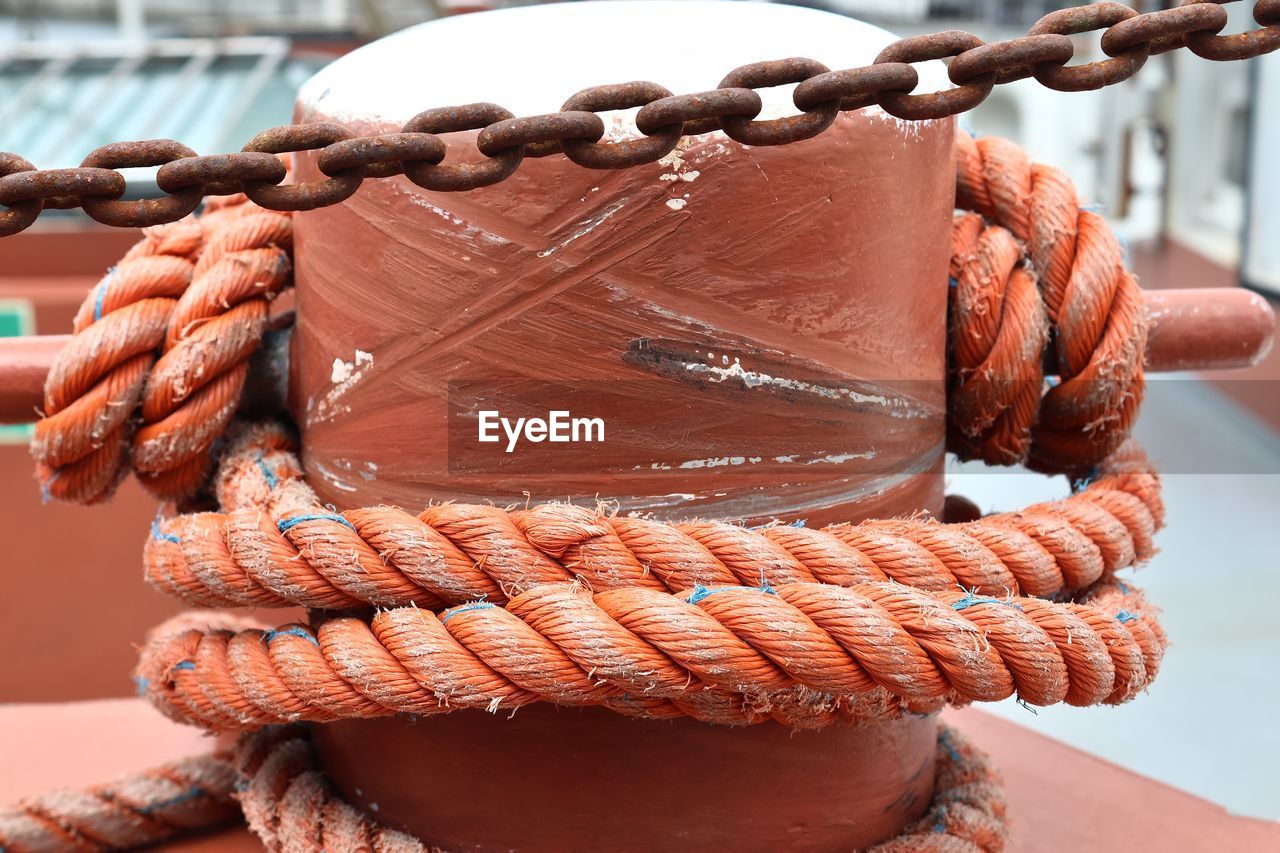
(81, 445)
(164, 338)
(649, 653)
(134, 811)
(279, 547)
(292, 809)
(827, 654)
(290, 806)
(219, 321)
(999, 327)
(968, 814)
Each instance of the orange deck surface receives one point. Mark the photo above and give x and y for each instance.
(1061, 799)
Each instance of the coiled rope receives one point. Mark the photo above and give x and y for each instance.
(155, 369)
(1034, 269)
(482, 607)
(713, 620)
(277, 546)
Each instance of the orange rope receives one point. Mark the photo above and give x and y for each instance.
(278, 547)
(1099, 331)
(169, 331)
(653, 654)
(136, 810)
(81, 445)
(620, 637)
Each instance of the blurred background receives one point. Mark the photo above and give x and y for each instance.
(1181, 159)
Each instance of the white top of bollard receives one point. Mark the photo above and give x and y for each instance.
(530, 59)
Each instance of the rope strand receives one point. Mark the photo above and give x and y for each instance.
(278, 547)
(165, 336)
(560, 643)
(134, 811)
(1093, 303)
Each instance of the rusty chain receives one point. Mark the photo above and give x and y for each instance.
(418, 152)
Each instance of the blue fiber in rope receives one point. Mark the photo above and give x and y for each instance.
(1125, 616)
(102, 293)
(1123, 587)
(474, 605)
(940, 825)
(141, 684)
(179, 799)
(700, 592)
(944, 738)
(185, 664)
(295, 631)
(799, 523)
(285, 524)
(45, 495)
(1082, 483)
(970, 600)
(161, 537)
(266, 473)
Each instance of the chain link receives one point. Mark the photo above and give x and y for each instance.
(503, 141)
(779, 131)
(132, 214)
(462, 176)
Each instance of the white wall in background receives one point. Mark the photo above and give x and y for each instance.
(1207, 114)
(1261, 265)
